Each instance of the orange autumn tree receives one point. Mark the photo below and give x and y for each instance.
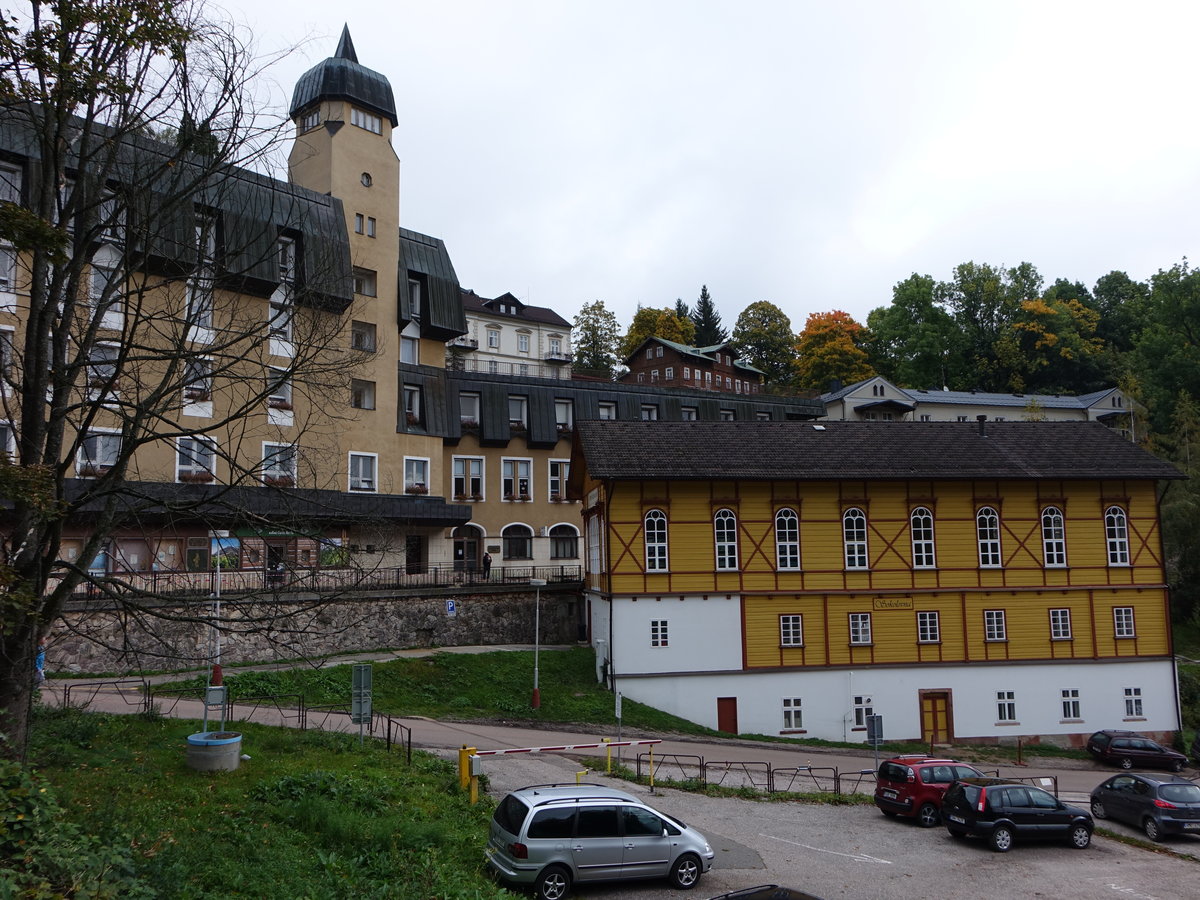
(831, 348)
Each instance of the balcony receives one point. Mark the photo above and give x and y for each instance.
(462, 342)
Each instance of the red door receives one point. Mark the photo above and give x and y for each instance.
(727, 714)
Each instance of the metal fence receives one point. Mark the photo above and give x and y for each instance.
(232, 582)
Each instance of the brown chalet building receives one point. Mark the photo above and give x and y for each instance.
(668, 364)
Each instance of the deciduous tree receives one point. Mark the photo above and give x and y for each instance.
(763, 337)
(596, 339)
(830, 349)
(651, 322)
(914, 342)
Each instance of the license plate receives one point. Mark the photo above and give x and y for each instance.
(891, 795)
(1192, 826)
(959, 819)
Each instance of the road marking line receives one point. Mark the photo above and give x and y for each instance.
(857, 857)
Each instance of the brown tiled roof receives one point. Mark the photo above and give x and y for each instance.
(868, 451)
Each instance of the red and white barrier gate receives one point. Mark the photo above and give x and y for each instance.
(468, 771)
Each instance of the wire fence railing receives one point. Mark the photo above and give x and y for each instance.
(234, 582)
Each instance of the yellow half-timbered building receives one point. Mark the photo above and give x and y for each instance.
(964, 581)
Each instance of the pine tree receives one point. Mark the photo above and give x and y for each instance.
(709, 332)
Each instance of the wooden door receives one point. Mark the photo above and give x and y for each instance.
(935, 717)
(727, 714)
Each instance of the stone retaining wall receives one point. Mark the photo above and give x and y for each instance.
(97, 639)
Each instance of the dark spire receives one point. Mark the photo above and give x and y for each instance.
(345, 47)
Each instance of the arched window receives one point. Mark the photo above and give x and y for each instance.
(1116, 532)
(564, 542)
(787, 539)
(987, 532)
(725, 534)
(656, 541)
(921, 526)
(1054, 538)
(518, 542)
(854, 535)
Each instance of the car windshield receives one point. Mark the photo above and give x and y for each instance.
(1180, 793)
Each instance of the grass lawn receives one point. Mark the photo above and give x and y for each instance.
(311, 815)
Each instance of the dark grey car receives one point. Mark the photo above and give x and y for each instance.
(1157, 804)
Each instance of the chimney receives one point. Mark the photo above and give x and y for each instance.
(982, 420)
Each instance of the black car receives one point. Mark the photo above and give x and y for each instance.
(1131, 750)
(1003, 812)
(1158, 804)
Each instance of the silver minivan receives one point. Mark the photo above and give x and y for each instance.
(553, 835)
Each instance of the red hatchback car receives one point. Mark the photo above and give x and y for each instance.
(914, 786)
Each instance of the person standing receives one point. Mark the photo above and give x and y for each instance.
(39, 662)
(487, 564)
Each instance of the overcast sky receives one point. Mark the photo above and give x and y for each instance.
(809, 154)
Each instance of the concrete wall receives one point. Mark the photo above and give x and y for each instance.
(103, 640)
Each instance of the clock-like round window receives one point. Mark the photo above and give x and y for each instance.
(366, 179)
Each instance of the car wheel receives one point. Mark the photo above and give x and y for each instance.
(1001, 839)
(1152, 829)
(1098, 810)
(553, 884)
(1126, 762)
(686, 871)
(928, 815)
(1081, 836)
(1177, 765)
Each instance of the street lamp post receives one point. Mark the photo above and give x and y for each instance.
(538, 584)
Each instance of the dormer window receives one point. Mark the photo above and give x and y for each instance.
(310, 120)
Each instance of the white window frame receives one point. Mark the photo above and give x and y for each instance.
(518, 411)
(864, 708)
(787, 540)
(104, 287)
(493, 338)
(411, 396)
(793, 714)
(360, 118)
(1116, 534)
(860, 629)
(468, 408)
(929, 629)
(1060, 624)
(201, 286)
(659, 636)
(1054, 538)
(516, 472)
(559, 470)
(1006, 707)
(522, 342)
(467, 477)
(564, 414)
(1133, 703)
(280, 461)
(188, 462)
(689, 414)
(923, 548)
(791, 630)
(987, 534)
(649, 412)
(655, 537)
(417, 471)
(8, 276)
(357, 482)
(725, 540)
(366, 282)
(279, 389)
(1124, 624)
(995, 626)
(608, 411)
(1070, 704)
(854, 538)
(108, 447)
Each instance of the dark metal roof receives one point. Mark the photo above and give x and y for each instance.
(220, 504)
(427, 259)
(342, 77)
(898, 405)
(866, 451)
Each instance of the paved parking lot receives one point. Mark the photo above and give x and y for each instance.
(854, 852)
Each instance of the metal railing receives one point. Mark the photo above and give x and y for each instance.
(319, 581)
